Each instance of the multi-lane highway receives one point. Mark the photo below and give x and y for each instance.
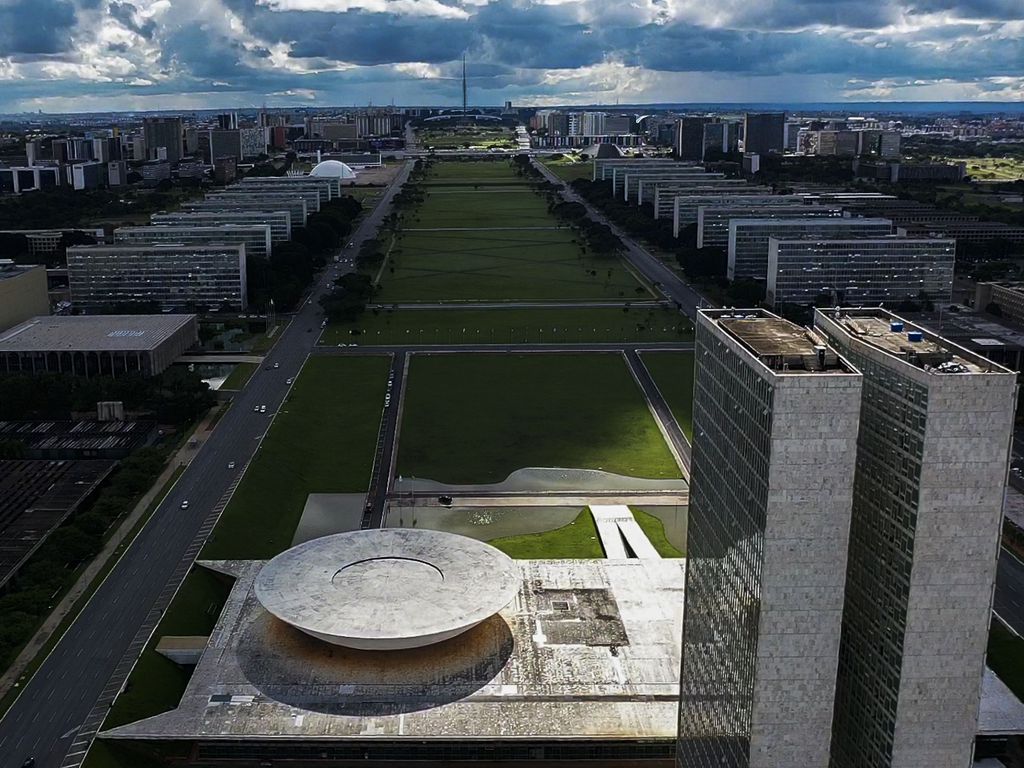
(57, 711)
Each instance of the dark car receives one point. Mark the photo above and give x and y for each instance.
(29, 763)
(445, 500)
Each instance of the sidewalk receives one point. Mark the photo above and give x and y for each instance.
(112, 547)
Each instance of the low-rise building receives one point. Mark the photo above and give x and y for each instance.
(886, 270)
(268, 201)
(101, 345)
(1008, 296)
(171, 277)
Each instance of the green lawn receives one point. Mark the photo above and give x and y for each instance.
(673, 373)
(1006, 657)
(322, 441)
(568, 170)
(459, 137)
(508, 326)
(501, 266)
(467, 206)
(474, 170)
(576, 541)
(239, 376)
(655, 531)
(993, 168)
(477, 418)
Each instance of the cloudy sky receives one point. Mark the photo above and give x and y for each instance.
(81, 55)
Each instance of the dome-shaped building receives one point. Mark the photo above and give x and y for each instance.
(333, 169)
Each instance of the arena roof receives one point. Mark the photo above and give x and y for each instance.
(93, 333)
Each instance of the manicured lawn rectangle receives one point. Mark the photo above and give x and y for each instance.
(576, 541)
(467, 206)
(322, 441)
(673, 373)
(490, 170)
(501, 265)
(512, 326)
(477, 418)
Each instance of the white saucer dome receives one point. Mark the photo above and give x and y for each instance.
(333, 169)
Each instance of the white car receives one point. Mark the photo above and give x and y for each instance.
(231, 465)
(277, 365)
(289, 381)
(255, 409)
(184, 504)
(263, 409)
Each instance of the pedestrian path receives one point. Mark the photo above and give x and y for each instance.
(617, 527)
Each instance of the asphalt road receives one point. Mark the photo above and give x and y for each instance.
(441, 349)
(1009, 599)
(58, 699)
(649, 266)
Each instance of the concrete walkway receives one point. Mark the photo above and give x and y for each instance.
(113, 546)
(241, 357)
(615, 522)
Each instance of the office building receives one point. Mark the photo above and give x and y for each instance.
(627, 179)
(1008, 296)
(117, 173)
(163, 133)
(20, 179)
(791, 136)
(681, 203)
(225, 170)
(255, 237)
(603, 167)
(719, 138)
(104, 345)
(690, 138)
(154, 172)
(748, 238)
(967, 231)
(171, 277)
(88, 175)
(228, 121)
(860, 272)
(775, 416)
(763, 132)
(932, 457)
(22, 292)
(713, 220)
(326, 187)
(310, 198)
(280, 222)
(294, 206)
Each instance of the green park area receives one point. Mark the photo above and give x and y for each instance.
(321, 441)
(569, 168)
(503, 265)
(654, 529)
(673, 373)
(477, 418)
(464, 206)
(534, 325)
(471, 172)
(993, 168)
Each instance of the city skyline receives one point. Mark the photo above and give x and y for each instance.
(101, 55)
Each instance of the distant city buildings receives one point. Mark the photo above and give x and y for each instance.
(163, 138)
(763, 132)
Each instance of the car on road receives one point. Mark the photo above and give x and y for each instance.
(184, 504)
(255, 409)
(289, 381)
(445, 500)
(231, 465)
(30, 762)
(263, 409)
(277, 365)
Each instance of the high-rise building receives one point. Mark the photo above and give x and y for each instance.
(169, 276)
(615, 125)
(278, 221)
(748, 238)
(593, 124)
(775, 415)
(763, 132)
(690, 138)
(163, 132)
(228, 121)
(719, 138)
(932, 457)
(860, 272)
(713, 220)
(255, 237)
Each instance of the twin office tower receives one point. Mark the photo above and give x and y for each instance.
(845, 510)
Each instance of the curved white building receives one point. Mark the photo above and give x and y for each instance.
(333, 169)
(389, 588)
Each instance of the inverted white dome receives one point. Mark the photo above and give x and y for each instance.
(334, 169)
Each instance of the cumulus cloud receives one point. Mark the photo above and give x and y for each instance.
(152, 53)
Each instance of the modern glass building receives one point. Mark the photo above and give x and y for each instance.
(327, 188)
(713, 220)
(280, 222)
(172, 277)
(296, 207)
(860, 272)
(932, 458)
(311, 197)
(255, 237)
(775, 415)
(748, 238)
